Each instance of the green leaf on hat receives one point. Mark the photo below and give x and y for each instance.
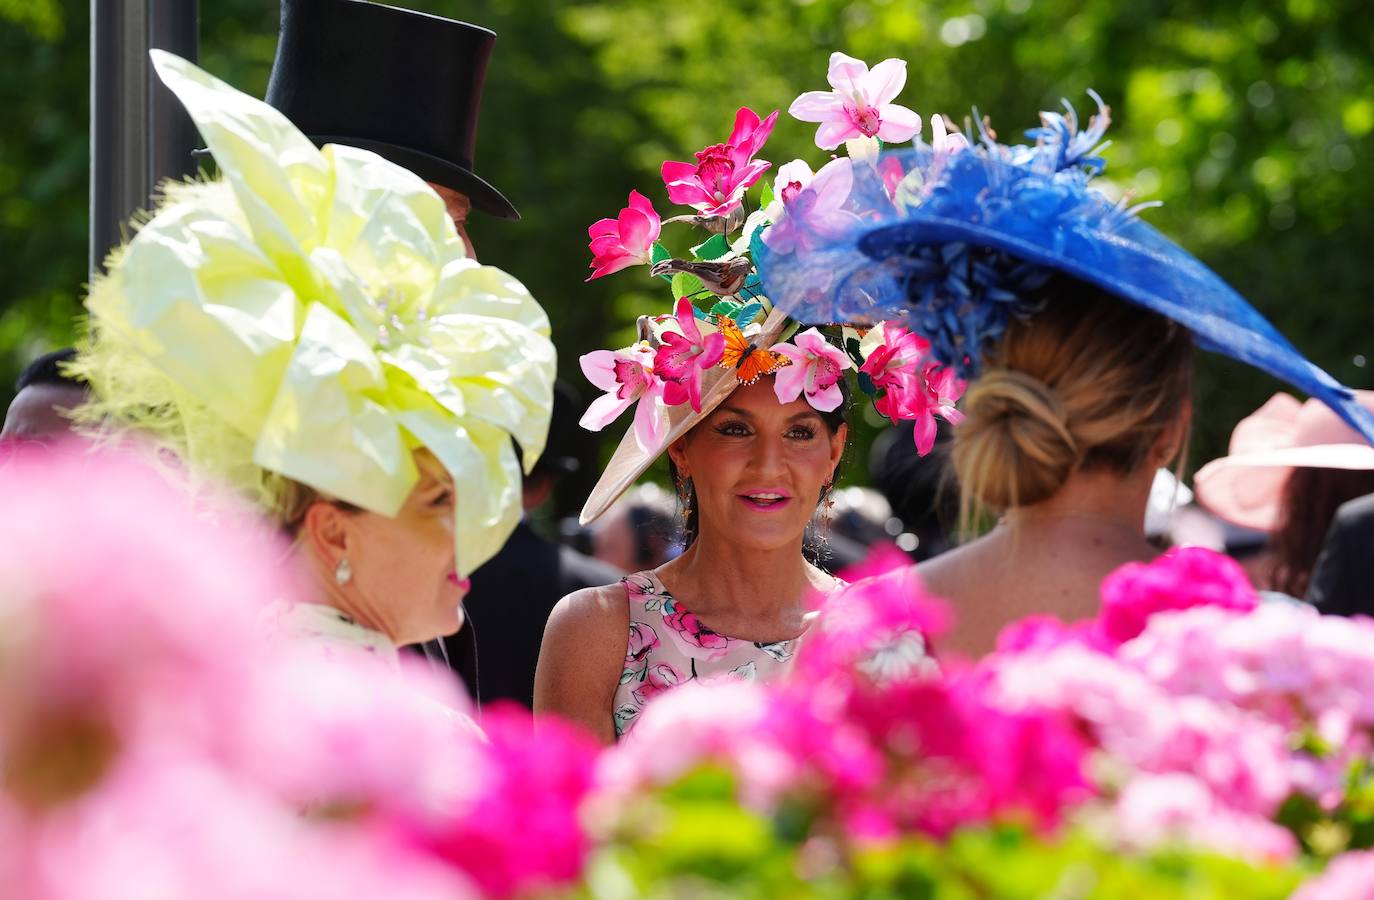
(727, 308)
(713, 247)
(686, 285)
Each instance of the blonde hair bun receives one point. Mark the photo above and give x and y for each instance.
(1016, 443)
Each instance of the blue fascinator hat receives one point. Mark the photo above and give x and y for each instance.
(956, 239)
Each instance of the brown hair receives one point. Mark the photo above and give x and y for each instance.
(1306, 508)
(292, 500)
(1089, 381)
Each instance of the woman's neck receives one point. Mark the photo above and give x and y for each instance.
(1096, 499)
(328, 592)
(715, 574)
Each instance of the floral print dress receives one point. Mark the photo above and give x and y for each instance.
(669, 646)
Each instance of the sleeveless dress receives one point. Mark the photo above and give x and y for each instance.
(669, 646)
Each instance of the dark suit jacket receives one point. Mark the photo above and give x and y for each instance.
(510, 601)
(1343, 581)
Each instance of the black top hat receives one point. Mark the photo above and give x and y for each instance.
(403, 84)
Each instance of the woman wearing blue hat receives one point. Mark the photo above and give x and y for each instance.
(1073, 321)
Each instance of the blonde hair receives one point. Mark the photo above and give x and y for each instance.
(1088, 382)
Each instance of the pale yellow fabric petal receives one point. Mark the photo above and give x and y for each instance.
(325, 430)
(282, 181)
(204, 303)
(486, 477)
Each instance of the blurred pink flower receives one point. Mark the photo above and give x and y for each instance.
(860, 104)
(715, 185)
(625, 240)
(523, 834)
(1347, 877)
(1156, 811)
(817, 367)
(813, 208)
(684, 355)
(627, 376)
(1182, 578)
(945, 143)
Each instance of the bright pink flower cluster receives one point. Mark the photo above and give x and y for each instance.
(627, 240)
(715, 184)
(912, 387)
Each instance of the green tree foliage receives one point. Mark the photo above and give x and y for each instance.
(1253, 121)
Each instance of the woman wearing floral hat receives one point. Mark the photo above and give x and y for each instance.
(1074, 322)
(750, 408)
(308, 329)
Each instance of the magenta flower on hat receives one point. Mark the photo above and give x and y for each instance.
(911, 386)
(684, 355)
(817, 366)
(860, 104)
(627, 376)
(626, 240)
(715, 185)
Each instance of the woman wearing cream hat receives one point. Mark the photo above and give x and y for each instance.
(308, 328)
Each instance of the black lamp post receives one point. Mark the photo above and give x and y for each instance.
(139, 134)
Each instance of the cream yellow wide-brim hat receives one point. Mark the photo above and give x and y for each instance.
(631, 460)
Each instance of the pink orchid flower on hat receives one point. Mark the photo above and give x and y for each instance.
(896, 354)
(817, 366)
(913, 387)
(626, 240)
(860, 104)
(813, 206)
(627, 376)
(684, 355)
(715, 185)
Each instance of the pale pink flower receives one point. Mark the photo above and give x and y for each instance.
(817, 367)
(860, 104)
(683, 355)
(626, 240)
(813, 209)
(1347, 877)
(945, 143)
(715, 185)
(627, 376)
(1158, 811)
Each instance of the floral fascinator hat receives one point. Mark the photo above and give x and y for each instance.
(952, 238)
(311, 315)
(724, 330)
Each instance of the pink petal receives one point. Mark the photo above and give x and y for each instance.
(832, 184)
(817, 106)
(812, 341)
(924, 434)
(834, 132)
(603, 411)
(884, 82)
(746, 120)
(897, 124)
(607, 245)
(678, 171)
(636, 232)
(826, 399)
(602, 227)
(611, 265)
(952, 416)
(846, 73)
(649, 425)
(712, 349)
(789, 381)
(759, 137)
(745, 177)
(599, 368)
(687, 320)
(675, 393)
(640, 202)
(692, 194)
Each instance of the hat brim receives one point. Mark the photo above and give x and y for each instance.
(1246, 489)
(630, 460)
(977, 198)
(433, 169)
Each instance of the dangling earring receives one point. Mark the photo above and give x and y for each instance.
(343, 573)
(684, 497)
(827, 509)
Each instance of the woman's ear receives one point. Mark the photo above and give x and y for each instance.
(677, 452)
(1173, 439)
(837, 442)
(325, 529)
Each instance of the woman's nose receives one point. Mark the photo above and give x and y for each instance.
(768, 456)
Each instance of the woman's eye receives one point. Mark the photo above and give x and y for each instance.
(801, 433)
(443, 499)
(732, 429)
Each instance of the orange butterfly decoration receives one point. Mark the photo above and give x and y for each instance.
(749, 361)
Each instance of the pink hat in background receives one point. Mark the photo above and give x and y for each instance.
(1244, 487)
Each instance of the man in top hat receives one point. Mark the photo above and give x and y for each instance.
(403, 84)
